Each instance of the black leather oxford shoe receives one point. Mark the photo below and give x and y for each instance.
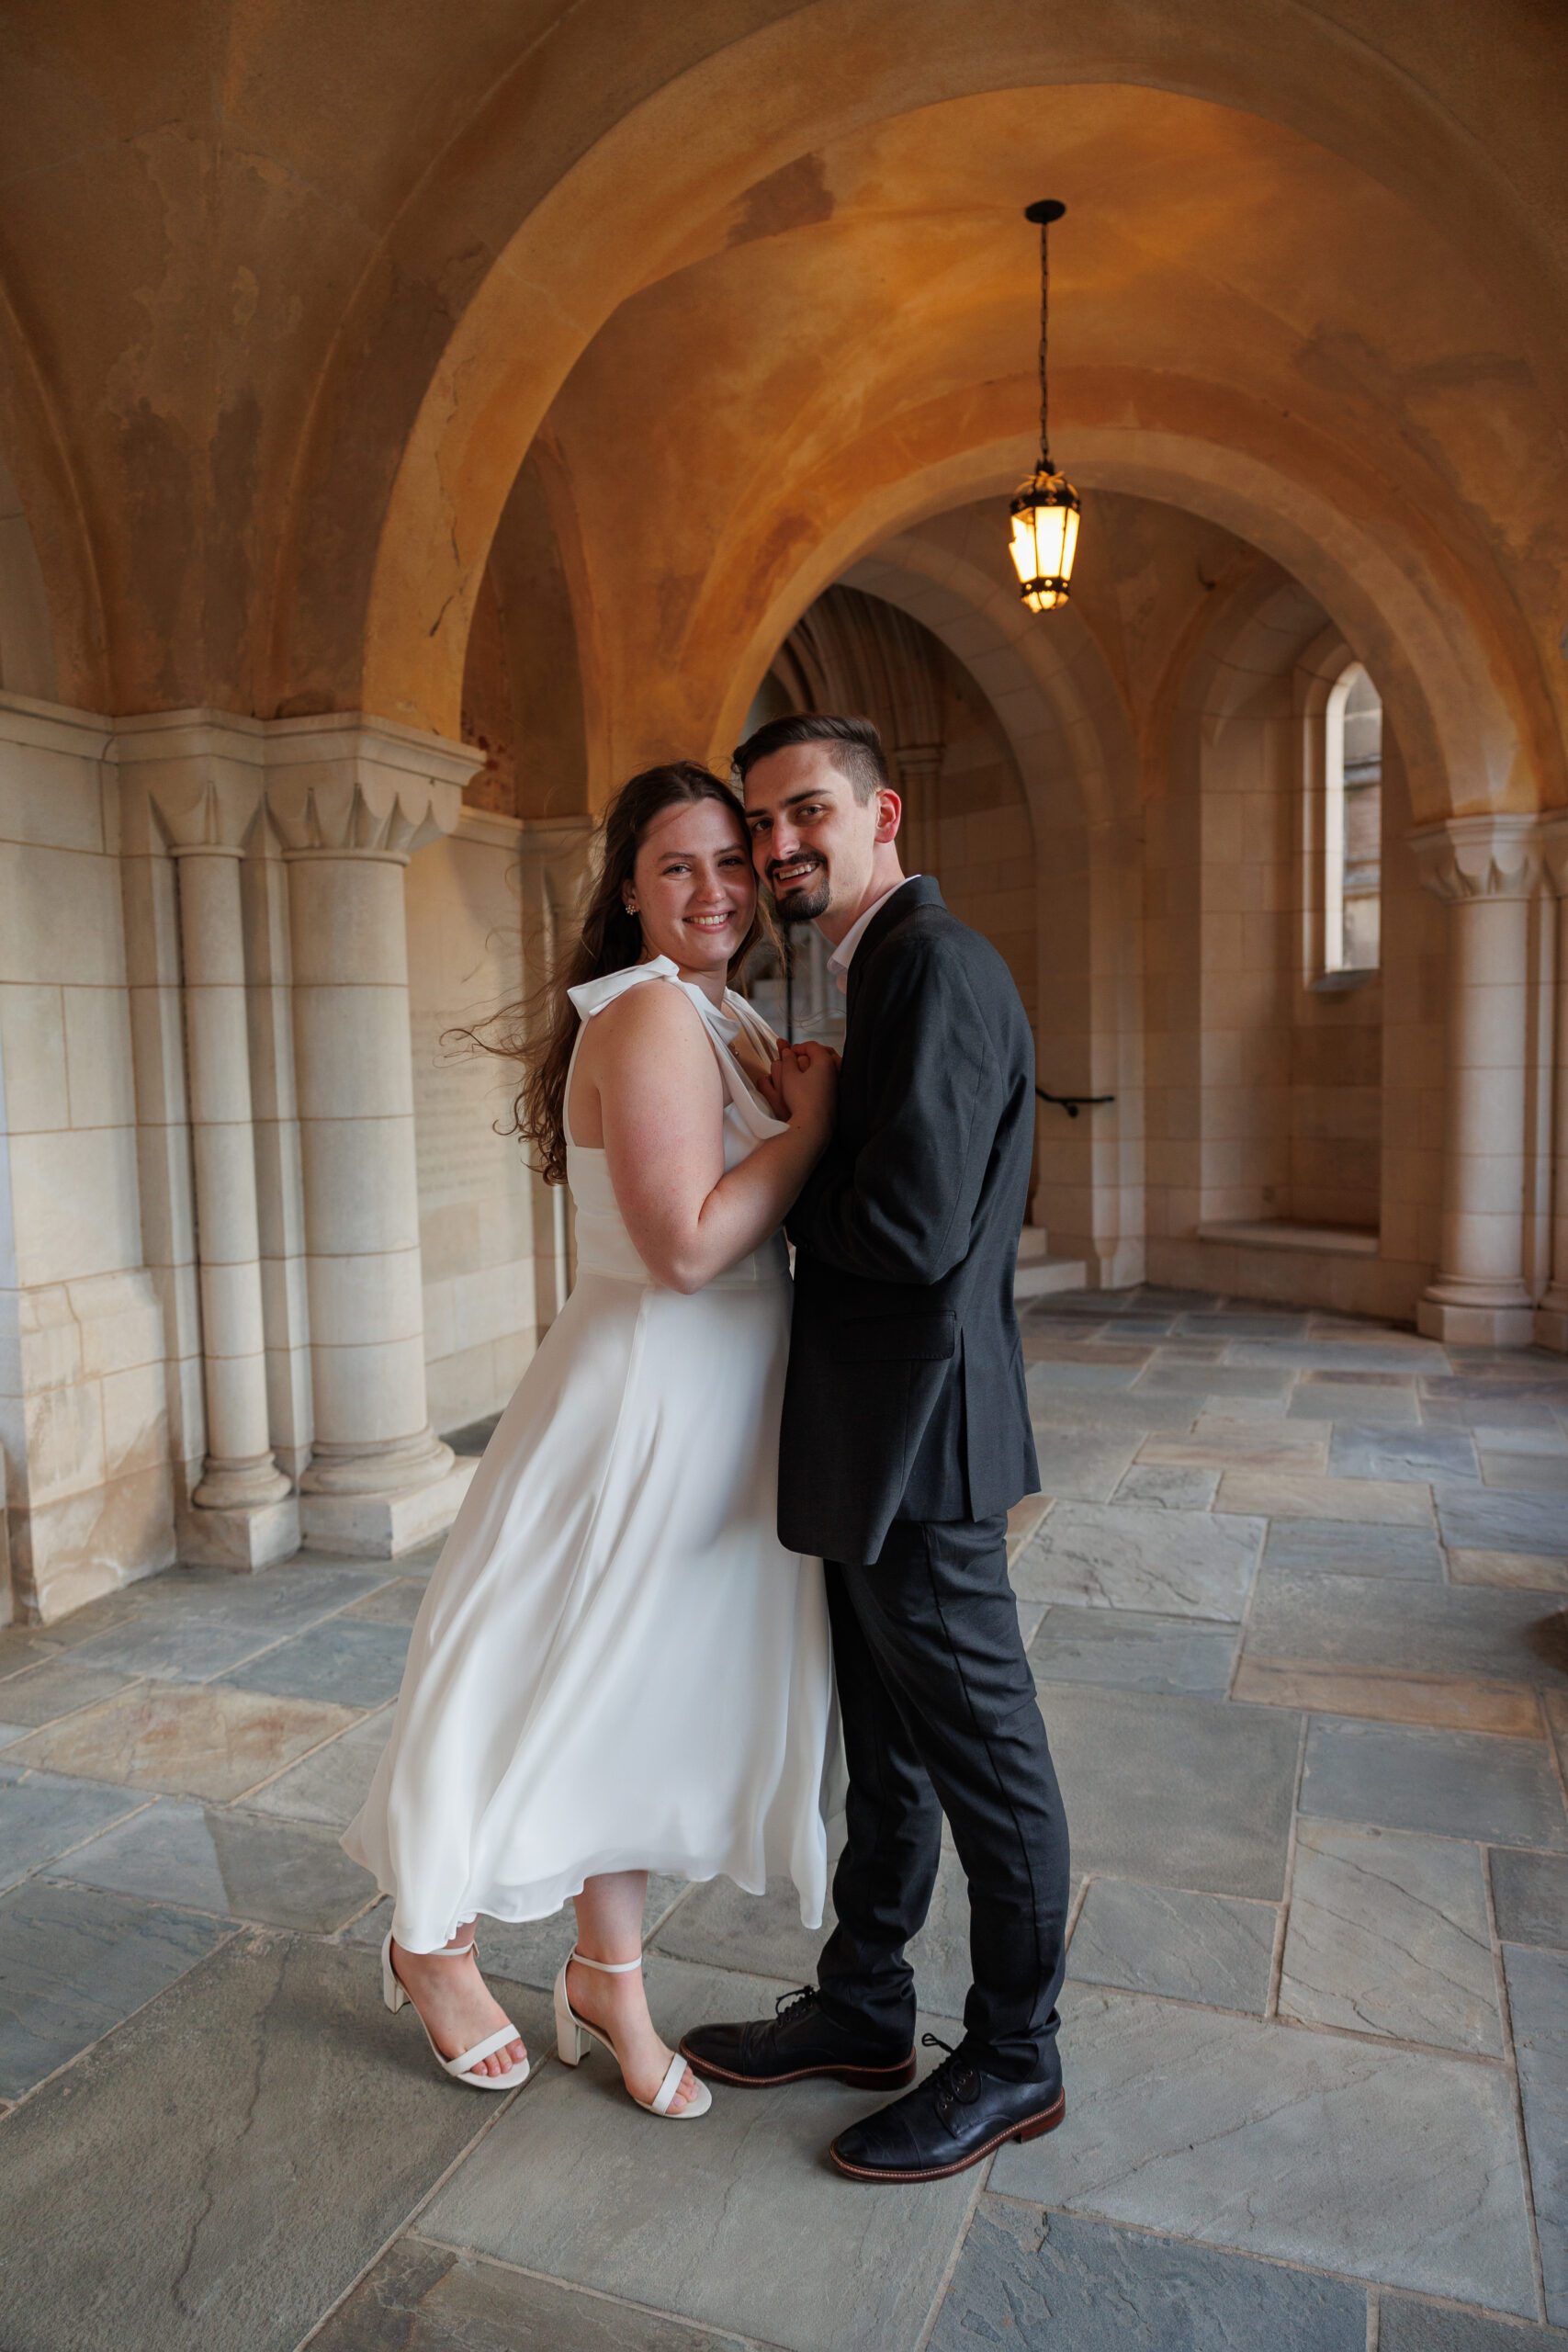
(798, 2041)
(951, 2120)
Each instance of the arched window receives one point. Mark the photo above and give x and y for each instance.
(1352, 830)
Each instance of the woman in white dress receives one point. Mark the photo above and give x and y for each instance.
(616, 1668)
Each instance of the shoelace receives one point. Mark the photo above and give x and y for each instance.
(789, 2002)
(955, 2082)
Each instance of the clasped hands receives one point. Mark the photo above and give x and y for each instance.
(803, 1084)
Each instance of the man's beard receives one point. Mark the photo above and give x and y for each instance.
(808, 902)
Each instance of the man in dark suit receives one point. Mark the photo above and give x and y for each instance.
(906, 1440)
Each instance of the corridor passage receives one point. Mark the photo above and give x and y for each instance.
(1295, 1601)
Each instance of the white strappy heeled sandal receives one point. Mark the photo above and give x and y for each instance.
(395, 1993)
(572, 2037)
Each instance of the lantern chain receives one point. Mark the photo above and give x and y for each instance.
(1044, 318)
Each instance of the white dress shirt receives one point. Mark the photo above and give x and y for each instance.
(839, 962)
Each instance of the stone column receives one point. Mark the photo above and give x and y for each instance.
(239, 1476)
(1551, 1315)
(202, 774)
(1486, 870)
(352, 799)
(917, 770)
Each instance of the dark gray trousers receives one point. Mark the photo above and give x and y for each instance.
(940, 1717)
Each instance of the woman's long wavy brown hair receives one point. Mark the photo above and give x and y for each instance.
(540, 1030)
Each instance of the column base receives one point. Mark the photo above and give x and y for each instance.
(1474, 1323)
(1551, 1320)
(244, 1540)
(382, 1526)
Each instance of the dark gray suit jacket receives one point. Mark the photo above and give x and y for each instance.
(906, 1395)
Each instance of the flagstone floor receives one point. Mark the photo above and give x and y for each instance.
(1294, 1598)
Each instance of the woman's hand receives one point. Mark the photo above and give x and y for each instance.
(766, 1081)
(807, 1079)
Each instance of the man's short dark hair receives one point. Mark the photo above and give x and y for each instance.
(853, 746)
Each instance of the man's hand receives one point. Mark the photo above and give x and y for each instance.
(807, 1079)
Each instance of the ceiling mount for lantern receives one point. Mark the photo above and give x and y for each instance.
(1044, 509)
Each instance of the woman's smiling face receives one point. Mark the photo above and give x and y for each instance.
(694, 884)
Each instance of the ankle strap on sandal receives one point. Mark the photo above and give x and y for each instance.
(607, 1967)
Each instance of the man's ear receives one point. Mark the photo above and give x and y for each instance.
(890, 813)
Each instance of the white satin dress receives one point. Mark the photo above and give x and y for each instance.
(616, 1666)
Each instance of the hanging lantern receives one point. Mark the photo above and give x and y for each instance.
(1044, 509)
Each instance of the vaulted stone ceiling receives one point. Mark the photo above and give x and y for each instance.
(292, 291)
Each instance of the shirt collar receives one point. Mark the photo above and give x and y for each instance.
(842, 956)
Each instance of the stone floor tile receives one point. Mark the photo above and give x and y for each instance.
(75, 1962)
(1383, 1352)
(331, 1784)
(1025, 1518)
(1242, 1412)
(1372, 1450)
(1046, 1374)
(1442, 1702)
(529, 1952)
(1174, 1792)
(719, 1927)
(296, 2126)
(1369, 1625)
(1554, 1707)
(1503, 1422)
(1286, 1493)
(1268, 1378)
(1338, 1547)
(1133, 1650)
(1457, 1784)
(1081, 1465)
(347, 1661)
(389, 1604)
(1116, 1415)
(423, 2297)
(1182, 1488)
(275, 1601)
(41, 1815)
(1246, 1323)
(1130, 1556)
(1108, 1346)
(1485, 1519)
(175, 1647)
(202, 1740)
(9, 1731)
(1051, 2282)
(1546, 1440)
(1510, 1571)
(1239, 1445)
(785, 2252)
(1210, 1947)
(1540, 1474)
(1345, 2154)
(58, 1687)
(1537, 2001)
(1388, 1934)
(1406, 2326)
(234, 1865)
(22, 1647)
(1354, 1396)
(1529, 1893)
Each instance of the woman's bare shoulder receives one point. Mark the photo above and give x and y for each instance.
(655, 1017)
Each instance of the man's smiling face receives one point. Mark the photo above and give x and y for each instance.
(813, 841)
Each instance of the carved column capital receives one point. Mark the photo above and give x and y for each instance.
(345, 786)
(190, 780)
(1480, 857)
(1555, 850)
